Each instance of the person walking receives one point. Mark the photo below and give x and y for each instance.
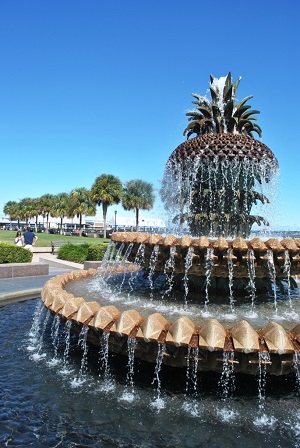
(29, 239)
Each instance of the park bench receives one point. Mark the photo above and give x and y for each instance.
(57, 244)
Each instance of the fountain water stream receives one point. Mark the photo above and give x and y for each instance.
(216, 297)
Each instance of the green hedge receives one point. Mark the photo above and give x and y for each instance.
(96, 253)
(73, 252)
(9, 253)
(79, 253)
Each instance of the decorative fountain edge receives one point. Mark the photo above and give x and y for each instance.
(180, 339)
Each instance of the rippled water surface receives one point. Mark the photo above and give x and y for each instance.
(119, 291)
(50, 397)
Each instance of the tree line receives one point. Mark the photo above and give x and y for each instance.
(107, 190)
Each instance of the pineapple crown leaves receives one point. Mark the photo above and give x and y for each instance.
(222, 113)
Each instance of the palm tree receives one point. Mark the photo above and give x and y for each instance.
(12, 209)
(46, 204)
(28, 207)
(106, 190)
(215, 172)
(138, 195)
(60, 208)
(81, 203)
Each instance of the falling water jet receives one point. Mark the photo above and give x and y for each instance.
(210, 184)
(68, 326)
(129, 393)
(153, 260)
(230, 278)
(55, 339)
(187, 265)
(227, 380)
(208, 269)
(159, 402)
(287, 270)
(192, 360)
(251, 275)
(82, 342)
(272, 271)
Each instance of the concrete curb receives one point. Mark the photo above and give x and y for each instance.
(19, 296)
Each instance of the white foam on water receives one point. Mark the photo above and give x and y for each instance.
(107, 386)
(77, 382)
(265, 421)
(191, 409)
(53, 362)
(158, 404)
(66, 371)
(251, 314)
(31, 348)
(226, 414)
(229, 316)
(129, 397)
(38, 356)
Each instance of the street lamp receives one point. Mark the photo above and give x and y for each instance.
(115, 220)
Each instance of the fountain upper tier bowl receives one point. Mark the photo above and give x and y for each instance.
(239, 251)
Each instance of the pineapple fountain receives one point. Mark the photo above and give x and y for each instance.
(210, 185)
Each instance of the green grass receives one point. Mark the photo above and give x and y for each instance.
(44, 239)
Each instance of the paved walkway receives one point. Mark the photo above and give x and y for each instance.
(24, 288)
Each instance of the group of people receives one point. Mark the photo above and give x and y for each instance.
(27, 240)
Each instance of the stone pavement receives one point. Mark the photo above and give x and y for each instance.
(24, 288)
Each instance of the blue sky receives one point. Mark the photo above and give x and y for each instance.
(98, 87)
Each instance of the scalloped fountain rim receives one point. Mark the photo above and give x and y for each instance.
(210, 340)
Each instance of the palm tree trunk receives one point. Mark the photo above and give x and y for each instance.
(137, 220)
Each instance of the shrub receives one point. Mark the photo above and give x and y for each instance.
(9, 253)
(96, 252)
(73, 252)
(79, 253)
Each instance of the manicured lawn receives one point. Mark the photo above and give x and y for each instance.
(44, 239)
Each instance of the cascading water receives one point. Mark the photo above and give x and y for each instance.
(208, 269)
(181, 302)
(187, 264)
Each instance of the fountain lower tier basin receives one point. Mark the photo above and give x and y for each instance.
(265, 258)
(247, 348)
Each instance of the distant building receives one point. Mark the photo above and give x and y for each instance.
(128, 223)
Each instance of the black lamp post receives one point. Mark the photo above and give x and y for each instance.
(115, 220)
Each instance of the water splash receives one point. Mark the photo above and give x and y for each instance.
(158, 403)
(108, 253)
(104, 356)
(227, 380)
(251, 275)
(68, 326)
(230, 278)
(187, 265)
(272, 272)
(82, 342)
(297, 369)
(55, 338)
(263, 360)
(192, 370)
(169, 266)
(209, 264)
(139, 261)
(152, 264)
(36, 335)
(131, 344)
(287, 270)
